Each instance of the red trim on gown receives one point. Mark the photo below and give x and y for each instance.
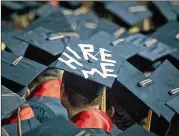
(50, 88)
(93, 119)
(25, 114)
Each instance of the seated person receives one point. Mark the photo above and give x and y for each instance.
(82, 98)
(45, 97)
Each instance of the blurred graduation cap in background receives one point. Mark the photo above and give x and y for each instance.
(14, 45)
(136, 130)
(129, 12)
(59, 23)
(10, 102)
(169, 34)
(152, 51)
(93, 59)
(11, 8)
(18, 72)
(56, 126)
(152, 48)
(111, 28)
(168, 10)
(86, 24)
(46, 9)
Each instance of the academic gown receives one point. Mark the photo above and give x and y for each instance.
(45, 101)
(95, 122)
(28, 122)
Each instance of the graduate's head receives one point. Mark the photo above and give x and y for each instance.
(78, 92)
(48, 74)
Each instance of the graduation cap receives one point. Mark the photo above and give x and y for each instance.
(93, 59)
(56, 126)
(152, 91)
(18, 72)
(136, 130)
(86, 24)
(170, 39)
(168, 10)
(130, 12)
(45, 45)
(111, 28)
(55, 21)
(14, 45)
(153, 49)
(47, 9)
(10, 102)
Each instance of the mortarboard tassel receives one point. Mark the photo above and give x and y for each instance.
(19, 129)
(148, 121)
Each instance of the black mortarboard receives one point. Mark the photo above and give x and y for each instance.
(55, 21)
(168, 35)
(43, 49)
(18, 72)
(86, 24)
(47, 9)
(152, 48)
(165, 81)
(10, 102)
(14, 45)
(136, 130)
(167, 9)
(130, 12)
(152, 91)
(111, 28)
(93, 59)
(55, 127)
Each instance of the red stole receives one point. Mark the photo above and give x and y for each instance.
(50, 88)
(25, 114)
(93, 119)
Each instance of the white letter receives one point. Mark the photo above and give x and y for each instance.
(73, 52)
(93, 70)
(104, 55)
(107, 71)
(86, 49)
(69, 61)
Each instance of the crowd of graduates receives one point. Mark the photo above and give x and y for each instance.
(106, 68)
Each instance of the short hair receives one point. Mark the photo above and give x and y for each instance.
(48, 74)
(76, 100)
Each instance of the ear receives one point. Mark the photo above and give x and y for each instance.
(110, 111)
